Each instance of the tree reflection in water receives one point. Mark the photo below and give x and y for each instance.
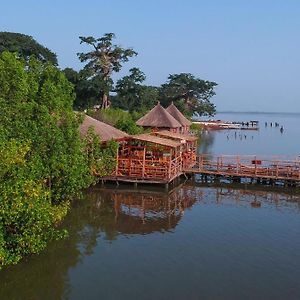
(105, 214)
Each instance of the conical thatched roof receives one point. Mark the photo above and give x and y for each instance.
(106, 132)
(158, 117)
(174, 111)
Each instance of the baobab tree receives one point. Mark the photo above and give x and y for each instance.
(103, 60)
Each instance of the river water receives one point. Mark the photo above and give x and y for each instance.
(192, 242)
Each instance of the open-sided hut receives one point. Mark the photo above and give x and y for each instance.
(104, 131)
(159, 119)
(147, 157)
(188, 145)
(175, 112)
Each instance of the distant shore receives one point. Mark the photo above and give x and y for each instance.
(258, 112)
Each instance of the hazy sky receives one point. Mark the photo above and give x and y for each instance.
(251, 48)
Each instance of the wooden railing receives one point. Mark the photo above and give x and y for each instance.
(247, 166)
(162, 169)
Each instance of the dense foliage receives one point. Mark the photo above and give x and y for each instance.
(43, 162)
(118, 118)
(189, 93)
(88, 90)
(25, 46)
(132, 95)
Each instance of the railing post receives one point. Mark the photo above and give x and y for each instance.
(144, 162)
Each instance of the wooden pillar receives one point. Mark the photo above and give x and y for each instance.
(170, 164)
(117, 164)
(144, 161)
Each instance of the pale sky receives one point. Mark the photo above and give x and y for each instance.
(251, 48)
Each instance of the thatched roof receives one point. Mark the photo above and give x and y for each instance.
(174, 111)
(175, 135)
(106, 132)
(158, 117)
(156, 140)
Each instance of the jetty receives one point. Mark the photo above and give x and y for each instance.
(223, 125)
(267, 170)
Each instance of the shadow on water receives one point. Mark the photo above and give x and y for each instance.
(107, 215)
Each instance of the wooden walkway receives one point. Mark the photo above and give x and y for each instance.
(247, 166)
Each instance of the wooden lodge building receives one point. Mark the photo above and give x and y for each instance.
(156, 157)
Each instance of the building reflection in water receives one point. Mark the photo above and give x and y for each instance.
(246, 197)
(147, 212)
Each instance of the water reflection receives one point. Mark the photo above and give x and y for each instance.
(140, 212)
(107, 215)
(207, 138)
(235, 195)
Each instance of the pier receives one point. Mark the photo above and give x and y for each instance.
(268, 170)
(234, 168)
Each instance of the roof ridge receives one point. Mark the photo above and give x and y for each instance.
(178, 115)
(158, 117)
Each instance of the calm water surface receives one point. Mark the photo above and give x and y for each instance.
(267, 140)
(194, 242)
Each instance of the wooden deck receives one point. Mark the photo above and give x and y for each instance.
(272, 169)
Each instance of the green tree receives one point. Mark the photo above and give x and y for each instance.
(118, 118)
(87, 90)
(43, 162)
(26, 46)
(191, 94)
(132, 95)
(103, 60)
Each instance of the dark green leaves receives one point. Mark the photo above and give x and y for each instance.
(25, 46)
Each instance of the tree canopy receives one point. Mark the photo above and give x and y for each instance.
(192, 94)
(132, 95)
(26, 46)
(104, 59)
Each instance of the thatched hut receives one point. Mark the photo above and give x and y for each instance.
(159, 119)
(104, 131)
(175, 112)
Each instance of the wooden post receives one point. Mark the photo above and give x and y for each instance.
(117, 164)
(169, 170)
(144, 161)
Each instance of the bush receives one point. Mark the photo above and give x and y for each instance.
(118, 118)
